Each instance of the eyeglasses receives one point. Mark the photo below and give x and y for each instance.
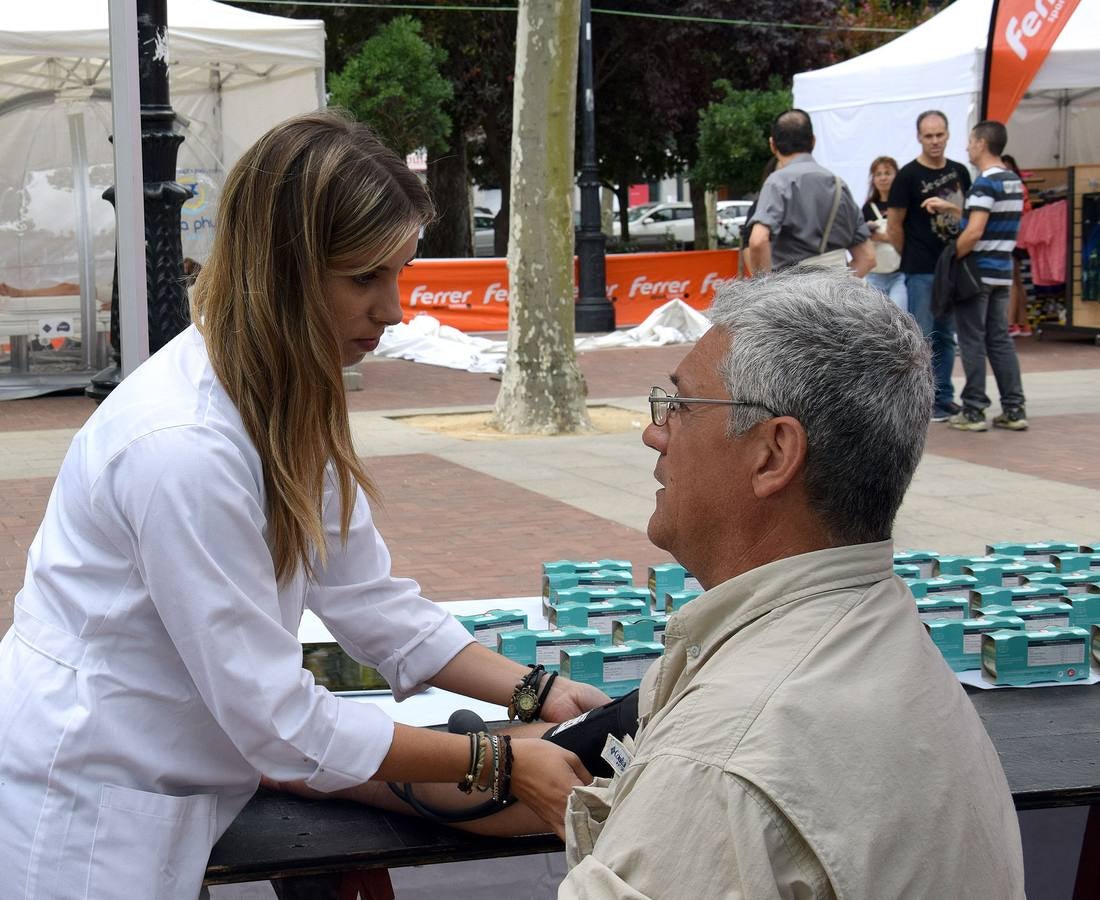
(661, 404)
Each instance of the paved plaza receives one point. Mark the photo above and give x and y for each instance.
(473, 519)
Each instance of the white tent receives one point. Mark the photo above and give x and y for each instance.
(232, 74)
(867, 106)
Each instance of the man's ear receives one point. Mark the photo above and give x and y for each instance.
(771, 146)
(782, 455)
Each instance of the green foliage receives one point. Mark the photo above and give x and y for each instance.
(733, 136)
(394, 84)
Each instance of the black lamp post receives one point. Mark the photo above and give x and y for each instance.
(163, 200)
(593, 311)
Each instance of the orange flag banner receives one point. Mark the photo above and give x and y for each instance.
(472, 294)
(1021, 33)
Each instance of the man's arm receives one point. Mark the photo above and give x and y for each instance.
(682, 828)
(760, 249)
(895, 226)
(863, 258)
(975, 227)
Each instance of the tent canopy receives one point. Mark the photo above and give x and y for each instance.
(868, 106)
(226, 65)
(232, 75)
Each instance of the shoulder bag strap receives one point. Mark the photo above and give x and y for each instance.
(878, 212)
(832, 214)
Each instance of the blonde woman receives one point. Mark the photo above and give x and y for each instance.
(153, 673)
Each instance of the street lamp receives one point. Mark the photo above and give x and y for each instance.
(163, 200)
(593, 311)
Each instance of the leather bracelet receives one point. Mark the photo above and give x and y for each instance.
(524, 704)
(545, 693)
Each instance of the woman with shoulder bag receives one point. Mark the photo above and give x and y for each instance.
(885, 275)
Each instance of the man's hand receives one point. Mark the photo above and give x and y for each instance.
(570, 698)
(936, 205)
(543, 776)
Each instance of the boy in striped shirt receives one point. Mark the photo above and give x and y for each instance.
(989, 225)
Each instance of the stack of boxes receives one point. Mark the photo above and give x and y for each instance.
(1022, 613)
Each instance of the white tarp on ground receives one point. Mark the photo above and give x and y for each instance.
(425, 340)
(867, 106)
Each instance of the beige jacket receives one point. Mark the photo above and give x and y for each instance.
(801, 737)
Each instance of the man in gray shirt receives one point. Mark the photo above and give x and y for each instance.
(795, 205)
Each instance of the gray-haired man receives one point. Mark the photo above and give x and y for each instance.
(801, 736)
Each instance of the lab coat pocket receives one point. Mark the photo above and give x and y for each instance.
(150, 845)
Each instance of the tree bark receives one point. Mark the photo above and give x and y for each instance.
(703, 210)
(543, 390)
(448, 181)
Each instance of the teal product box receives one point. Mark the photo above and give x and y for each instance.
(553, 581)
(1008, 574)
(1074, 582)
(487, 625)
(1090, 547)
(676, 599)
(1036, 616)
(953, 565)
(1084, 610)
(932, 608)
(563, 566)
(947, 586)
(594, 595)
(667, 578)
(600, 615)
(1096, 647)
(1076, 562)
(960, 640)
(1028, 595)
(543, 647)
(1042, 550)
(924, 559)
(907, 572)
(615, 670)
(1024, 657)
(646, 628)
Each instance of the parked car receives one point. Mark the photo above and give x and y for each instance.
(483, 234)
(732, 215)
(659, 225)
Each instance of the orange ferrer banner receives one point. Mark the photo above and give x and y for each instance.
(1021, 33)
(472, 294)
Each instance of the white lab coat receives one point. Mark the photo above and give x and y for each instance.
(153, 669)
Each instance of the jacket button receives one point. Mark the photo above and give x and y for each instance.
(693, 651)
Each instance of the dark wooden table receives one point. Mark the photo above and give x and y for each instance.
(1048, 740)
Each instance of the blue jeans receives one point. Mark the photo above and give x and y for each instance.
(939, 332)
(892, 284)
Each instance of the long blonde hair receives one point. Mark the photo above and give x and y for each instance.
(318, 194)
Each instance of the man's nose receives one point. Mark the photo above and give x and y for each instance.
(655, 437)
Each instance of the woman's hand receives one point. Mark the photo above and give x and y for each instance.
(570, 698)
(543, 776)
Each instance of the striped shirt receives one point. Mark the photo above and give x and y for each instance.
(999, 192)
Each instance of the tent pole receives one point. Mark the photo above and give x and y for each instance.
(983, 110)
(85, 256)
(153, 279)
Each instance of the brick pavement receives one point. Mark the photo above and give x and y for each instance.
(465, 533)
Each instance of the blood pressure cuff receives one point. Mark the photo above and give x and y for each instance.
(586, 734)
